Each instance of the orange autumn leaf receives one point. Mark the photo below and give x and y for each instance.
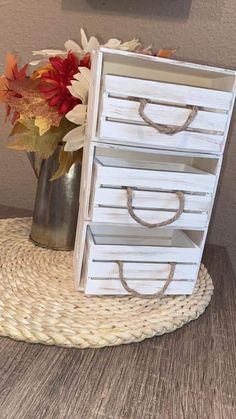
(29, 102)
(12, 72)
(3, 88)
(11, 63)
(165, 53)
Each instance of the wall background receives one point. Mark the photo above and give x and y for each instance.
(203, 31)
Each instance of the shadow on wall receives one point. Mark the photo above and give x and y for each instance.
(171, 9)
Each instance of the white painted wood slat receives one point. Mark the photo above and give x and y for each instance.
(121, 216)
(166, 92)
(141, 270)
(115, 176)
(147, 199)
(114, 287)
(145, 136)
(127, 110)
(144, 253)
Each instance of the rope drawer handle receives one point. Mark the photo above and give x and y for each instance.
(163, 128)
(139, 220)
(131, 291)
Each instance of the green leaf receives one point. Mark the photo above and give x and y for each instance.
(25, 142)
(48, 142)
(18, 128)
(28, 137)
(66, 161)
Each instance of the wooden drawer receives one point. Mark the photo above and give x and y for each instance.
(168, 104)
(156, 134)
(146, 259)
(154, 186)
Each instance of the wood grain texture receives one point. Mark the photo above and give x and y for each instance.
(114, 287)
(168, 93)
(143, 178)
(145, 136)
(148, 199)
(122, 216)
(127, 110)
(187, 374)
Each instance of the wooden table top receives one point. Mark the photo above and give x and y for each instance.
(189, 374)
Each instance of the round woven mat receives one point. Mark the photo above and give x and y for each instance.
(38, 302)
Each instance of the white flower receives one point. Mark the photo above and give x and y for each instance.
(130, 45)
(87, 46)
(75, 138)
(78, 115)
(49, 52)
(46, 53)
(93, 43)
(80, 86)
(72, 46)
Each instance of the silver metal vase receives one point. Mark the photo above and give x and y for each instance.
(56, 204)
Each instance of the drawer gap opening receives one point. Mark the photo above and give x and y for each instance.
(147, 161)
(175, 238)
(153, 209)
(157, 167)
(140, 279)
(130, 146)
(157, 190)
(138, 66)
(144, 262)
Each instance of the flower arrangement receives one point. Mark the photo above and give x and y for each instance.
(46, 99)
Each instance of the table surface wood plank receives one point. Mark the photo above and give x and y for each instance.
(188, 374)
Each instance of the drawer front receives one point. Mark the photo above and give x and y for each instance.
(170, 104)
(103, 278)
(146, 267)
(110, 206)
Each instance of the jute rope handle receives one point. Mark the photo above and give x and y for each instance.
(131, 291)
(162, 128)
(139, 220)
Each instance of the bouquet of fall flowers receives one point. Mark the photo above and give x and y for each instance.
(46, 100)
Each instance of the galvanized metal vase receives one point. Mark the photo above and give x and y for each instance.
(56, 204)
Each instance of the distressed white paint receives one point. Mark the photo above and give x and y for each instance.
(114, 287)
(121, 216)
(167, 93)
(145, 136)
(141, 270)
(127, 111)
(139, 178)
(115, 123)
(108, 197)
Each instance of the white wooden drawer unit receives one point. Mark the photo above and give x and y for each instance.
(146, 257)
(156, 134)
(154, 183)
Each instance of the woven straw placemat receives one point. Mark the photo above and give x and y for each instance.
(38, 302)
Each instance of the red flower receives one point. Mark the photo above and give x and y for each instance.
(58, 78)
